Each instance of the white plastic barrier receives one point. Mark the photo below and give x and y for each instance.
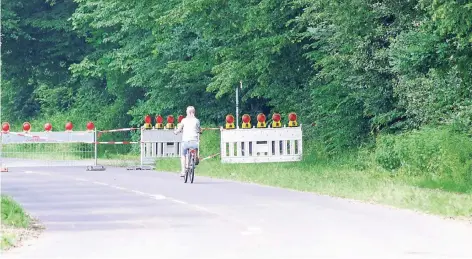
(259, 145)
(48, 137)
(75, 148)
(159, 143)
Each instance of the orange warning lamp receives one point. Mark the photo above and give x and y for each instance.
(159, 122)
(147, 122)
(229, 121)
(26, 127)
(292, 117)
(246, 121)
(47, 127)
(261, 120)
(170, 122)
(5, 127)
(276, 120)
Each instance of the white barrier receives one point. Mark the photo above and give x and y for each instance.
(259, 145)
(48, 137)
(75, 148)
(159, 143)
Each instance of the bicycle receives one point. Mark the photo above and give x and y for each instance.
(190, 163)
(190, 167)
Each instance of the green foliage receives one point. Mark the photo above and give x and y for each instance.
(386, 155)
(356, 68)
(440, 157)
(38, 48)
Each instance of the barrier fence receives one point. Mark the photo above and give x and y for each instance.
(119, 147)
(261, 143)
(48, 149)
(157, 143)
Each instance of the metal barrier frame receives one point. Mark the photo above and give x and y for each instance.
(159, 143)
(261, 145)
(48, 138)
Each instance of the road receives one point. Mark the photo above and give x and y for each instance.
(144, 214)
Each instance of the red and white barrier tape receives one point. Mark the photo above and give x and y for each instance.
(117, 142)
(118, 130)
(36, 138)
(131, 129)
(208, 157)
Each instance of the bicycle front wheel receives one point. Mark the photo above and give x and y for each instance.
(186, 175)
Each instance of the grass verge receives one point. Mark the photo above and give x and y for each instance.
(440, 183)
(340, 181)
(16, 224)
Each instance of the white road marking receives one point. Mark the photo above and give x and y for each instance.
(251, 231)
(118, 187)
(100, 183)
(157, 196)
(178, 201)
(139, 193)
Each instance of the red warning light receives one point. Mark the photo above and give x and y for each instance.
(26, 126)
(261, 117)
(69, 126)
(147, 119)
(292, 116)
(246, 118)
(48, 126)
(159, 119)
(90, 125)
(276, 117)
(229, 119)
(261, 120)
(5, 127)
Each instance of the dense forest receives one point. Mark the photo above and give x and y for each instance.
(353, 68)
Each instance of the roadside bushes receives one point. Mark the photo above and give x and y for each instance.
(440, 157)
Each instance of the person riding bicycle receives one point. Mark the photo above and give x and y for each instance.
(190, 128)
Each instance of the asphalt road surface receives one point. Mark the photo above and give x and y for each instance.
(145, 214)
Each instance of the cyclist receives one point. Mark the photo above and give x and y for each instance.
(190, 128)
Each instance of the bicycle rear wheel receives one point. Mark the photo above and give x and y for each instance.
(186, 175)
(192, 168)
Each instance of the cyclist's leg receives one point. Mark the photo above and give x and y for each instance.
(183, 157)
(197, 157)
(196, 146)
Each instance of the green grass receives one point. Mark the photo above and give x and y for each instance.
(13, 216)
(339, 181)
(357, 176)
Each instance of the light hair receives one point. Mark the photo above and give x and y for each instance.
(190, 110)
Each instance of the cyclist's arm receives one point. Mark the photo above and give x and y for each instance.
(179, 127)
(199, 129)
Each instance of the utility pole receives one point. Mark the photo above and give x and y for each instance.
(237, 103)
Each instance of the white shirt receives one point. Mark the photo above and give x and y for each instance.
(191, 129)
